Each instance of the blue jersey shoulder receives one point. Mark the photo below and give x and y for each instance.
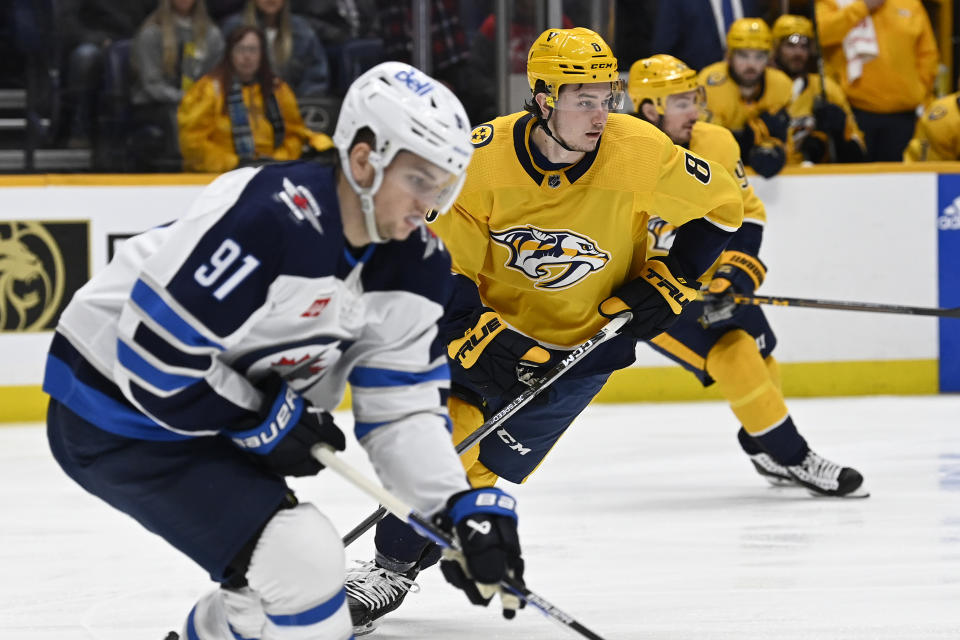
(295, 203)
(420, 264)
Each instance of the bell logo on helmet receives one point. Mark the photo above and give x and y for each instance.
(419, 86)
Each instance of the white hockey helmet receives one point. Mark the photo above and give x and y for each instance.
(406, 109)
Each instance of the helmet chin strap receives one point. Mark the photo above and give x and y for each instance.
(369, 216)
(546, 128)
(366, 194)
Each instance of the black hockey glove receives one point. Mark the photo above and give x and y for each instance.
(830, 118)
(490, 354)
(286, 430)
(813, 147)
(484, 523)
(777, 124)
(655, 298)
(738, 272)
(767, 159)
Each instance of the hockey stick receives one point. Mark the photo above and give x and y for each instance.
(832, 151)
(399, 508)
(875, 307)
(535, 386)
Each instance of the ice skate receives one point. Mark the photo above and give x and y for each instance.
(772, 471)
(373, 592)
(822, 477)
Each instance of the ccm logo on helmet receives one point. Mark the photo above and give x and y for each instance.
(410, 78)
(601, 65)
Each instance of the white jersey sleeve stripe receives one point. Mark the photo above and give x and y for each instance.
(139, 367)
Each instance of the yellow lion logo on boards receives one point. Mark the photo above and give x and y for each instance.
(29, 293)
(553, 259)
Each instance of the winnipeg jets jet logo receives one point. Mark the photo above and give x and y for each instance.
(552, 259)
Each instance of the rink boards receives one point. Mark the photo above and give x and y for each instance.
(876, 233)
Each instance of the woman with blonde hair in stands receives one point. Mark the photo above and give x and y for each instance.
(173, 48)
(294, 51)
(241, 114)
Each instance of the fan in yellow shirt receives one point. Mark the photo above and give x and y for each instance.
(749, 98)
(717, 340)
(240, 114)
(886, 89)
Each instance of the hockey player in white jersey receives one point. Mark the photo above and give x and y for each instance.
(194, 373)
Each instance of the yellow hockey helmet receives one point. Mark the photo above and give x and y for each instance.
(572, 56)
(749, 33)
(657, 77)
(790, 25)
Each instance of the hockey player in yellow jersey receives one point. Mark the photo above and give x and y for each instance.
(822, 125)
(548, 242)
(746, 96)
(717, 340)
(938, 132)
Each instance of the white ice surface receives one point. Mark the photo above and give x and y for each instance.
(646, 521)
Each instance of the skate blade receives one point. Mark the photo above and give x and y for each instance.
(777, 481)
(364, 629)
(859, 492)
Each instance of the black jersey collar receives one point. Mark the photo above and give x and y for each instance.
(522, 129)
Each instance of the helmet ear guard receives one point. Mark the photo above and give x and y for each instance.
(406, 110)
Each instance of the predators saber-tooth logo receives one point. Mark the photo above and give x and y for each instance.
(31, 276)
(662, 234)
(553, 259)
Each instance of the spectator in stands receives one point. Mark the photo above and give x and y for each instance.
(220, 10)
(480, 98)
(750, 98)
(450, 51)
(176, 45)
(97, 24)
(695, 30)
(335, 21)
(885, 57)
(822, 126)
(635, 28)
(240, 113)
(294, 51)
(938, 132)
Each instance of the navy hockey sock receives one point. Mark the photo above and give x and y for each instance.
(783, 443)
(398, 546)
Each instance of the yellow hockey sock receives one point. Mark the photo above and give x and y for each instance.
(773, 368)
(466, 419)
(749, 384)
